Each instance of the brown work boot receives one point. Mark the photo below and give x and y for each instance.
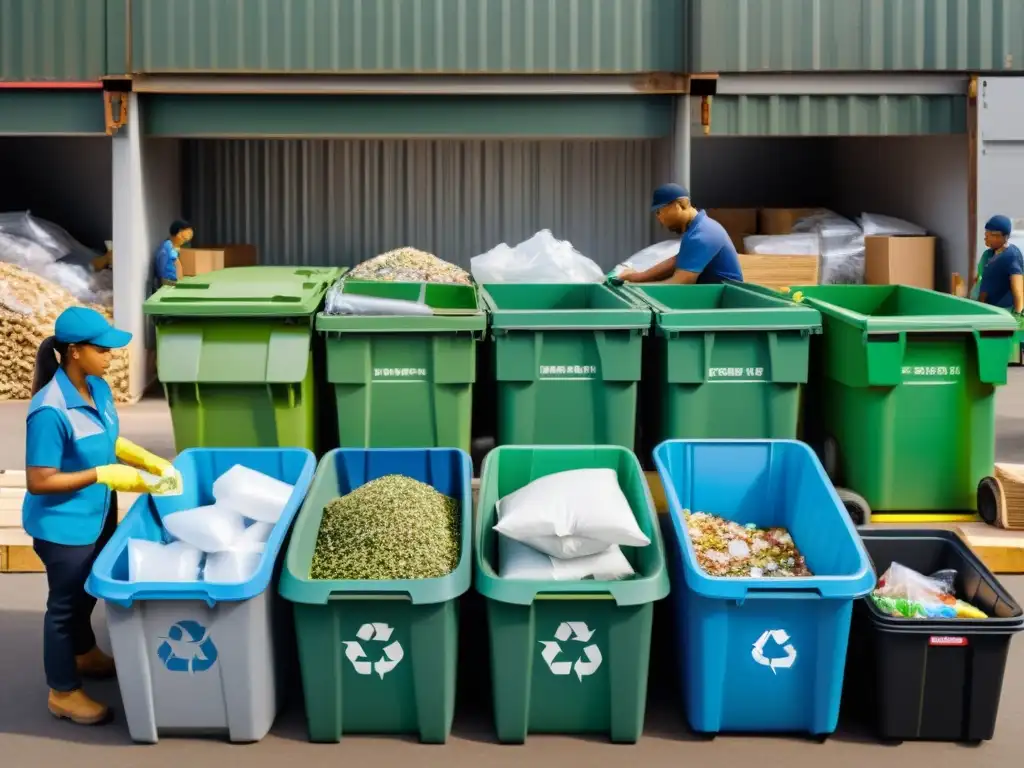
(77, 707)
(95, 664)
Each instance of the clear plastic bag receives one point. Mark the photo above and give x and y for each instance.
(54, 239)
(877, 225)
(252, 494)
(340, 303)
(256, 533)
(233, 566)
(210, 529)
(541, 259)
(649, 257)
(904, 593)
(801, 243)
(155, 561)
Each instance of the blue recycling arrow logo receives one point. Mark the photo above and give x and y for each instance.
(187, 648)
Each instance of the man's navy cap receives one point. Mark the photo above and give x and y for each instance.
(665, 194)
(81, 325)
(1000, 224)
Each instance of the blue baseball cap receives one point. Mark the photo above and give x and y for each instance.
(81, 325)
(1000, 224)
(665, 194)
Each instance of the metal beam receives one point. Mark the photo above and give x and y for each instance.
(843, 85)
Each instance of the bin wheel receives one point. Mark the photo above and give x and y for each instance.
(856, 507)
(990, 500)
(830, 458)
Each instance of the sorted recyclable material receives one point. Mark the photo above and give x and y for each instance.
(518, 561)
(252, 494)
(541, 259)
(29, 306)
(570, 514)
(391, 528)
(904, 593)
(160, 562)
(725, 548)
(211, 528)
(410, 265)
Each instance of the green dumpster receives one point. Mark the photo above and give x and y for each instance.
(905, 400)
(235, 355)
(566, 362)
(603, 629)
(727, 362)
(378, 657)
(405, 381)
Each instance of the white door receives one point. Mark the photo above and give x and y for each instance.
(1001, 153)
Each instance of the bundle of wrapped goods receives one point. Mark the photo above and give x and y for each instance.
(410, 265)
(29, 306)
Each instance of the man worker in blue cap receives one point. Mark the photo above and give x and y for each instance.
(706, 253)
(1001, 269)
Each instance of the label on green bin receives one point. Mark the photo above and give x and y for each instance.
(736, 374)
(412, 374)
(570, 372)
(931, 373)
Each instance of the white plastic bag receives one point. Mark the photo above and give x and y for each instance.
(518, 561)
(155, 561)
(875, 225)
(570, 514)
(650, 256)
(210, 529)
(257, 533)
(233, 566)
(252, 494)
(541, 259)
(804, 243)
(340, 303)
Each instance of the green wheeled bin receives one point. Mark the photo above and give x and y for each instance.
(601, 630)
(567, 359)
(378, 657)
(727, 362)
(903, 408)
(235, 354)
(405, 381)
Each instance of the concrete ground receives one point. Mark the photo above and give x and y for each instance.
(30, 737)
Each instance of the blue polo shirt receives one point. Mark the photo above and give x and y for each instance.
(66, 433)
(995, 278)
(166, 262)
(707, 249)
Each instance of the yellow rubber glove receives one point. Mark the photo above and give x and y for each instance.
(119, 477)
(137, 456)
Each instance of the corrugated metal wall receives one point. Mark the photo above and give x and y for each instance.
(56, 40)
(340, 202)
(420, 36)
(856, 35)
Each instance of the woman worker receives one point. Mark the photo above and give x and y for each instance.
(1000, 280)
(70, 509)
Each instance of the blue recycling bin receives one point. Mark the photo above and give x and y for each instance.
(762, 655)
(198, 657)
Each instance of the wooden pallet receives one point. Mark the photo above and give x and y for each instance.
(1002, 551)
(16, 552)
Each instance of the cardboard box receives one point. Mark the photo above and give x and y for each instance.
(900, 261)
(777, 271)
(738, 222)
(780, 221)
(199, 261)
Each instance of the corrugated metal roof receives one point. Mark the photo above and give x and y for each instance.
(856, 35)
(315, 202)
(819, 115)
(56, 40)
(415, 36)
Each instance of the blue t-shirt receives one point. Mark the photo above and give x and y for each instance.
(166, 262)
(707, 249)
(995, 279)
(67, 434)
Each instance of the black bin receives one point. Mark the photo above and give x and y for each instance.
(937, 680)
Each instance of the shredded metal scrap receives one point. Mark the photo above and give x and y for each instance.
(410, 265)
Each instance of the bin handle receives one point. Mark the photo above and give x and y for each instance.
(575, 596)
(783, 593)
(375, 596)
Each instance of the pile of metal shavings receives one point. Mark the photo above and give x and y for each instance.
(391, 528)
(409, 265)
(725, 548)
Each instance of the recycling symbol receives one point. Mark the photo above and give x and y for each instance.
(585, 665)
(781, 638)
(392, 653)
(187, 648)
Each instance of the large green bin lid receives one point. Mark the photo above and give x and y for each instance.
(456, 308)
(701, 308)
(901, 308)
(562, 306)
(245, 292)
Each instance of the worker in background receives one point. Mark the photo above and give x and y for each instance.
(706, 252)
(166, 260)
(1000, 279)
(70, 508)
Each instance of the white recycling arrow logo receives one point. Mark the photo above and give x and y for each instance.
(392, 653)
(781, 637)
(584, 666)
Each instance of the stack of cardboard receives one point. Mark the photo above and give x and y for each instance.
(772, 271)
(199, 261)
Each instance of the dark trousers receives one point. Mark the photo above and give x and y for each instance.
(67, 627)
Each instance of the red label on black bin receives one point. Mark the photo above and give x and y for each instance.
(947, 641)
